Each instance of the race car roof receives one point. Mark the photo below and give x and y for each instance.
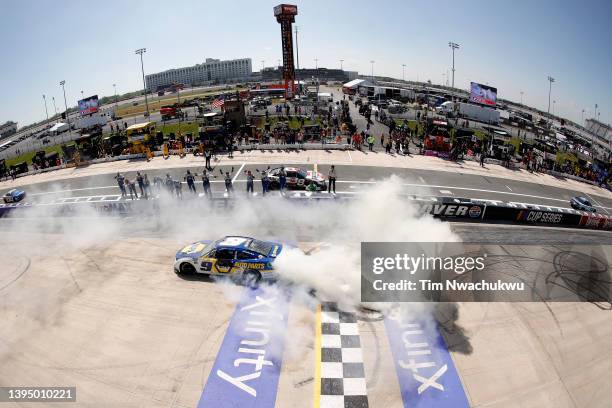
(237, 242)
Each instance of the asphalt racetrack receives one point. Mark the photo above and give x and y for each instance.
(92, 301)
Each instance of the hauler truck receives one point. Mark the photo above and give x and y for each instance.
(469, 111)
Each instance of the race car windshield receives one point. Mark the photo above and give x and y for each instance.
(260, 247)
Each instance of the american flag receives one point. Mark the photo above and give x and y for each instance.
(218, 103)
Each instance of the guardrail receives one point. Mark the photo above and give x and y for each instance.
(446, 208)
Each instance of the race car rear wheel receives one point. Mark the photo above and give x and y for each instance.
(251, 279)
(186, 269)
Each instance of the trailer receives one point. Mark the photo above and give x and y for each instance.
(87, 122)
(478, 113)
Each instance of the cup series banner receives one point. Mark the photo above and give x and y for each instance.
(482, 272)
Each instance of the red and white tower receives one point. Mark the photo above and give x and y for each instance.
(285, 15)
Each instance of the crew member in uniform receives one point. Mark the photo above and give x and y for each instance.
(250, 180)
(206, 184)
(190, 181)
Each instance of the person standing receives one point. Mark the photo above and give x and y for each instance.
(178, 189)
(371, 142)
(190, 179)
(282, 179)
(250, 181)
(207, 155)
(206, 184)
(331, 179)
(169, 184)
(140, 181)
(265, 182)
(131, 188)
(147, 187)
(228, 183)
(120, 182)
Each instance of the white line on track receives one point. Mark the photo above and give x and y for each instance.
(508, 187)
(238, 172)
(421, 179)
(362, 182)
(597, 204)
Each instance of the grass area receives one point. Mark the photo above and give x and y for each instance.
(156, 103)
(27, 157)
(412, 124)
(185, 127)
(294, 123)
(516, 142)
(562, 157)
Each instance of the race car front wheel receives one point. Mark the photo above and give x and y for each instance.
(251, 279)
(186, 269)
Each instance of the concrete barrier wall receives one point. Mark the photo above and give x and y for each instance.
(446, 208)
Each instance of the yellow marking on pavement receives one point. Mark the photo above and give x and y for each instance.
(317, 379)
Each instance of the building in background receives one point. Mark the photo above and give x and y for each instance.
(7, 129)
(601, 135)
(212, 71)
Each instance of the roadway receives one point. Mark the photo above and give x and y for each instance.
(352, 179)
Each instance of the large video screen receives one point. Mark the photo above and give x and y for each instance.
(89, 105)
(483, 94)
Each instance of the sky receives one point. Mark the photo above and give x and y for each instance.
(512, 45)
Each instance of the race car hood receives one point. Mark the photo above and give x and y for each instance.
(193, 251)
(315, 175)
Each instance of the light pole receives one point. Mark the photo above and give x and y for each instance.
(521, 97)
(443, 77)
(453, 47)
(82, 97)
(297, 50)
(141, 51)
(341, 61)
(595, 114)
(54, 107)
(115, 88)
(403, 72)
(262, 65)
(62, 83)
(554, 107)
(582, 118)
(316, 63)
(46, 111)
(278, 62)
(550, 80)
(372, 62)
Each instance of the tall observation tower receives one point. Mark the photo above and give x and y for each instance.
(285, 15)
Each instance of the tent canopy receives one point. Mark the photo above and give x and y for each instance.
(356, 83)
(57, 126)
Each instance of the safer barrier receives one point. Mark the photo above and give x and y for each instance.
(446, 208)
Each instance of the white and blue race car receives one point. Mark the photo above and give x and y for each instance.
(14, 196)
(248, 259)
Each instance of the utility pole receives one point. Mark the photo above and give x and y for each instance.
(46, 111)
(453, 47)
(403, 72)
(141, 51)
(62, 83)
(550, 80)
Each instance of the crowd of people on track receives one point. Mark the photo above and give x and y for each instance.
(174, 187)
